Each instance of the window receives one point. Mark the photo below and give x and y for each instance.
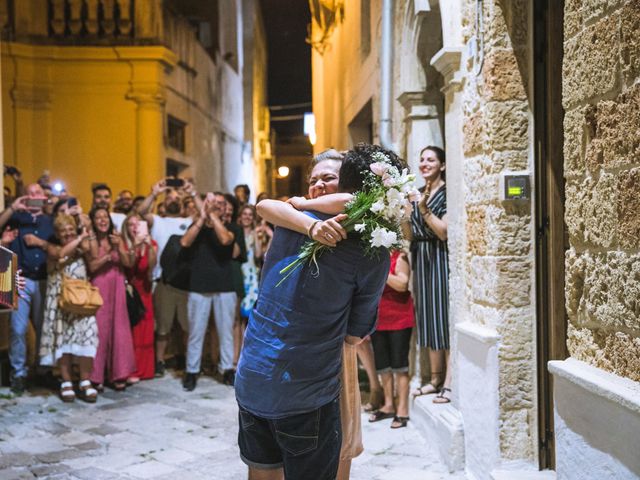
(176, 133)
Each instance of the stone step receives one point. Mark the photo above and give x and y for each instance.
(509, 474)
(441, 426)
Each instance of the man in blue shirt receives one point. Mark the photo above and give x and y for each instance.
(287, 382)
(35, 229)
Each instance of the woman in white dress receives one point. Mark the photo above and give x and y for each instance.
(68, 338)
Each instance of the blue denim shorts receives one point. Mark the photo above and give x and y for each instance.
(305, 445)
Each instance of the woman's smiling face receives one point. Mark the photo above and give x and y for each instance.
(430, 167)
(324, 178)
(246, 217)
(102, 221)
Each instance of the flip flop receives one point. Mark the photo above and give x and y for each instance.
(401, 421)
(380, 415)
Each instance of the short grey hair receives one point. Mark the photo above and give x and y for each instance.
(329, 154)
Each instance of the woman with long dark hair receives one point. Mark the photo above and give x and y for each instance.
(107, 257)
(431, 271)
(142, 254)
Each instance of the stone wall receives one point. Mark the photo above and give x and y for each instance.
(499, 259)
(601, 96)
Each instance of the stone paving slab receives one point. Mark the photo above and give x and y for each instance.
(155, 430)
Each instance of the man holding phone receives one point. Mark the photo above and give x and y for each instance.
(35, 229)
(169, 302)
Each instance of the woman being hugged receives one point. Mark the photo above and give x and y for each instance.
(430, 255)
(68, 338)
(107, 258)
(323, 185)
(142, 257)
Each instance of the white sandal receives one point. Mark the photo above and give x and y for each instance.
(87, 392)
(67, 395)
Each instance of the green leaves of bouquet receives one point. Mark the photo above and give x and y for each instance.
(375, 212)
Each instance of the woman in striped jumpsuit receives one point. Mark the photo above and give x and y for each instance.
(431, 271)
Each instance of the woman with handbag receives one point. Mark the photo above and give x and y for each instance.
(107, 257)
(143, 254)
(68, 337)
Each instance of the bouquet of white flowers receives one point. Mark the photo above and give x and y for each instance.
(375, 212)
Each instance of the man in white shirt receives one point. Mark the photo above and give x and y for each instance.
(169, 302)
(102, 198)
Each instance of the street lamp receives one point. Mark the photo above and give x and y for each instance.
(283, 171)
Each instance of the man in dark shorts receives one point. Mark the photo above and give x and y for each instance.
(287, 382)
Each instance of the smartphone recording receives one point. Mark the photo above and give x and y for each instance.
(175, 182)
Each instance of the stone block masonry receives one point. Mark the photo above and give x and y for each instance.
(499, 237)
(601, 75)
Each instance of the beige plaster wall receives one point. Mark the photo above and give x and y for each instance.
(344, 78)
(601, 96)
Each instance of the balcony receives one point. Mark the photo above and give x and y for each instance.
(82, 22)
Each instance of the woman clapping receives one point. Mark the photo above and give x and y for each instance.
(67, 337)
(107, 257)
(142, 256)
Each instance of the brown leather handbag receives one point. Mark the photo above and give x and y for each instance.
(79, 297)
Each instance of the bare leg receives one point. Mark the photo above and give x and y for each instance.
(387, 387)
(161, 347)
(437, 363)
(65, 367)
(365, 354)
(258, 474)
(436, 359)
(344, 470)
(447, 378)
(86, 366)
(402, 386)
(445, 394)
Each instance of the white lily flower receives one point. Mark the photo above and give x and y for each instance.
(381, 237)
(360, 227)
(378, 206)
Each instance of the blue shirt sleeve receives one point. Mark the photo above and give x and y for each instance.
(363, 314)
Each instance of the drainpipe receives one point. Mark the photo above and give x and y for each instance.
(386, 70)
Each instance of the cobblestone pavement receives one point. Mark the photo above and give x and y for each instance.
(156, 430)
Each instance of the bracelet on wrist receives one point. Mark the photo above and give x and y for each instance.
(310, 229)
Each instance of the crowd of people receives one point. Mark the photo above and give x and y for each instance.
(173, 255)
(171, 260)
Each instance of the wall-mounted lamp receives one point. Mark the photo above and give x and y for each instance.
(283, 172)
